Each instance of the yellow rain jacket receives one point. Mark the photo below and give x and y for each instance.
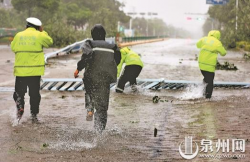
(129, 57)
(210, 47)
(28, 48)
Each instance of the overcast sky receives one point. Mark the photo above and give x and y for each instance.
(172, 11)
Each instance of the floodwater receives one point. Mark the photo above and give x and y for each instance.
(64, 135)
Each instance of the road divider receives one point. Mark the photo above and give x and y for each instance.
(139, 42)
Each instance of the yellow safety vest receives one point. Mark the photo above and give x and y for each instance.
(28, 48)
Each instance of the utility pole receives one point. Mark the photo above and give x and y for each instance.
(236, 23)
(142, 14)
(118, 26)
(147, 27)
(132, 14)
(130, 23)
(212, 23)
(236, 20)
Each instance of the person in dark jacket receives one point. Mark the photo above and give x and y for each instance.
(100, 60)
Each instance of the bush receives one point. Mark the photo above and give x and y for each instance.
(247, 47)
(241, 44)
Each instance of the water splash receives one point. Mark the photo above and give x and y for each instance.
(140, 91)
(72, 145)
(114, 131)
(14, 120)
(81, 139)
(193, 91)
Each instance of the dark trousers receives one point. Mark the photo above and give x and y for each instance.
(129, 74)
(209, 80)
(97, 97)
(33, 83)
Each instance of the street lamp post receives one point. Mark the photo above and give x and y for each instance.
(142, 14)
(236, 20)
(154, 14)
(236, 24)
(147, 28)
(118, 26)
(130, 23)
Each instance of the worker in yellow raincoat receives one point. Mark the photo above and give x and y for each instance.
(132, 69)
(29, 65)
(209, 47)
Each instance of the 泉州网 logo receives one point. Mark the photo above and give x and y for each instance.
(213, 149)
(188, 145)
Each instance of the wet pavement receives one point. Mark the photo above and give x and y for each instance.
(64, 135)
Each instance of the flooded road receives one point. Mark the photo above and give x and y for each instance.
(64, 135)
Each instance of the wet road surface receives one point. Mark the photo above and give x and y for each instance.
(64, 135)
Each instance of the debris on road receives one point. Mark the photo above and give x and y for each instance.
(226, 66)
(45, 145)
(62, 97)
(155, 132)
(246, 56)
(156, 99)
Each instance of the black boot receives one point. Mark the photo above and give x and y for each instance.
(118, 91)
(34, 119)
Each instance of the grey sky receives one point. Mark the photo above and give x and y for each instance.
(172, 11)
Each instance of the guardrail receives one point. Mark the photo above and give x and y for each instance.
(72, 48)
(75, 47)
(133, 39)
(9, 31)
(126, 41)
(125, 44)
(68, 84)
(71, 84)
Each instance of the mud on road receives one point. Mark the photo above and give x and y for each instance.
(64, 135)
